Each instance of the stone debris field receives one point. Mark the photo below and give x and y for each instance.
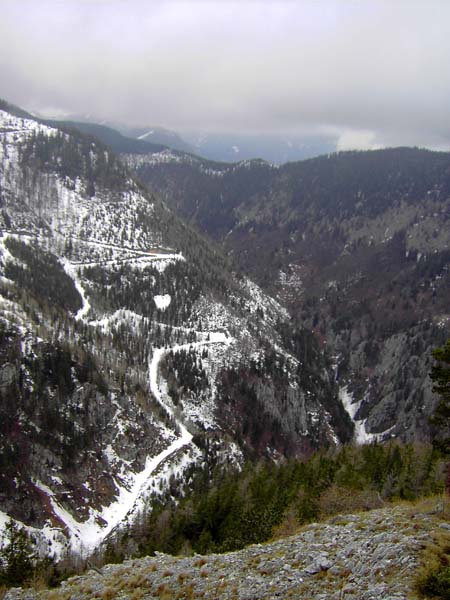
(368, 556)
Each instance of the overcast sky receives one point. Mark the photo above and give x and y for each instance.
(373, 72)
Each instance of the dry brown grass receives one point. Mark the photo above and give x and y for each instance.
(164, 592)
(182, 577)
(60, 595)
(188, 592)
(108, 594)
(336, 499)
(200, 562)
(167, 573)
(435, 556)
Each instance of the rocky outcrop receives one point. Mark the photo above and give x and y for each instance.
(8, 375)
(367, 556)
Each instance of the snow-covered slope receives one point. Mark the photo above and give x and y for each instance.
(123, 339)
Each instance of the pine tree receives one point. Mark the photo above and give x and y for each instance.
(440, 375)
(16, 555)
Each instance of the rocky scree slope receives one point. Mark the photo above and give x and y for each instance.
(364, 556)
(123, 335)
(355, 244)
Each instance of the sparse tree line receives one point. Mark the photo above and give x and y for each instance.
(74, 155)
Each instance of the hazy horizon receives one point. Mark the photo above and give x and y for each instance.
(369, 73)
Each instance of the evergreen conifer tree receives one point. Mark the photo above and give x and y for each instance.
(16, 555)
(440, 375)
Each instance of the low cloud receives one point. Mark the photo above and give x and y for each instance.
(358, 140)
(374, 71)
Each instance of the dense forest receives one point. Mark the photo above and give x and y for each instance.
(229, 509)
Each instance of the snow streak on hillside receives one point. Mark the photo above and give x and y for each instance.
(133, 488)
(61, 206)
(123, 343)
(130, 498)
(361, 435)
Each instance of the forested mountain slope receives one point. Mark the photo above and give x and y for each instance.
(113, 139)
(355, 244)
(130, 353)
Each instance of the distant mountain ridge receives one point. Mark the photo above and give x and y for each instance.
(159, 136)
(355, 244)
(216, 146)
(112, 138)
(273, 148)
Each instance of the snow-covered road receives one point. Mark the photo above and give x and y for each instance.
(133, 488)
(86, 536)
(215, 337)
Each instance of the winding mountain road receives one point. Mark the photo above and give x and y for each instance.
(86, 536)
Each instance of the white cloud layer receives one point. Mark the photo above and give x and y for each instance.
(375, 72)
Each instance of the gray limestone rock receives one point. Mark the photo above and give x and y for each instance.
(371, 556)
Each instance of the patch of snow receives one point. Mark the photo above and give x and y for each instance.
(361, 435)
(48, 540)
(442, 321)
(164, 157)
(136, 161)
(144, 135)
(122, 315)
(162, 302)
(72, 272)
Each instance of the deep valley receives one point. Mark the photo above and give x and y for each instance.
(183, 340)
